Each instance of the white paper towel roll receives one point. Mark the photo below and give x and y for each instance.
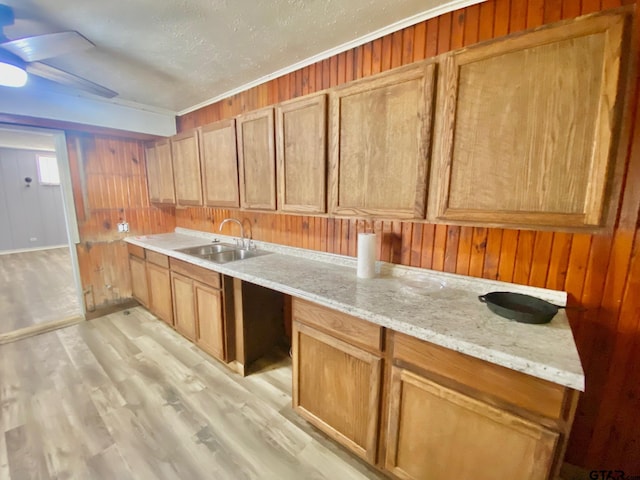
(366, 255)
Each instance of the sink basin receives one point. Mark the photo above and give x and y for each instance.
(207, 249)
(221, 252)
(233, 255)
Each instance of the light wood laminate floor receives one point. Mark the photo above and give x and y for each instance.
(124, 396)
(35, 288)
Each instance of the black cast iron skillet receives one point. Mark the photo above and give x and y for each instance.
(519, 307)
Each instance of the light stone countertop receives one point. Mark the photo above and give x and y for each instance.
(437, 307)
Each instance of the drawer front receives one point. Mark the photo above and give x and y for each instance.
(200, 274)
(135, 250)
(158, 259)
(534, 394)
(346, 327)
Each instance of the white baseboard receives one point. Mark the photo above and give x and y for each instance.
(23, 250)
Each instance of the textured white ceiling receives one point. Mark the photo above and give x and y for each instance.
(174, 54)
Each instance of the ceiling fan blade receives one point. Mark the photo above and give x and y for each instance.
(40, 47)
(68, 79)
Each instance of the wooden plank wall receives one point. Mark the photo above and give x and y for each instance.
(109, 187)
(600, 272)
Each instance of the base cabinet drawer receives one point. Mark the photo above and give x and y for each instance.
(437, 433)
(336, 387)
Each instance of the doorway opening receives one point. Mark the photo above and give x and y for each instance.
(40, 287)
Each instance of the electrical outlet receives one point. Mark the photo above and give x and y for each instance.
(123, 227)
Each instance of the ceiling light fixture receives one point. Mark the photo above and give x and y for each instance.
(12, 70)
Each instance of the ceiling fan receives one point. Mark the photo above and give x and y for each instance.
(23, 56)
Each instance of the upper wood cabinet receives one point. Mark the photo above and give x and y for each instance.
(153, 173)
(257, 163)
(186, 168)
(219, 159)
(301, 127)
(160, 172)
(527, 127)
(379, 139)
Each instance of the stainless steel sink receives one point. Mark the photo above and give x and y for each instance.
(222, 252)
(233, 255)
(207, 249)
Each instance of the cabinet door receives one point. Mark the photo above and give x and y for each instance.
(154, 181)
(440, 434)
(160, 292)
(256, 156)
(379, 138)
(210, 333)
(526, 133)
(164, 172)
(336, 387)
(184, 311)
(186, 168)
(139, 286)
(219, 157)
(301, 127)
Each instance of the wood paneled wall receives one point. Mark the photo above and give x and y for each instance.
(600, 272)
(110, 186)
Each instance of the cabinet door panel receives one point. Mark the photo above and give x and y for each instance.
(525, 137)
(210, 321)
(139, 287)
(337, 388)
(186, 168)
(160, 292)
(166, 189)
(439, 434)
(256, 156)
(379, 144)
(301, 125)
(154, 181)
(184, 311)
(220, 164)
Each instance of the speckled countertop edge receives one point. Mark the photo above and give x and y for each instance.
(414, 301)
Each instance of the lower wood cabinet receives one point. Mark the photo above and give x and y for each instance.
(210, 332)
(159, 282)
(184, 307)
(139, 286)
(337, 388)
(198, 307)
(438, 433)
(236, 322)
(430, 413)
(337, 375)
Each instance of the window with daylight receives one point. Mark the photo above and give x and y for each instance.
(48, 173)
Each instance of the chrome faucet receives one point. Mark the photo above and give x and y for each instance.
(235, 220)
